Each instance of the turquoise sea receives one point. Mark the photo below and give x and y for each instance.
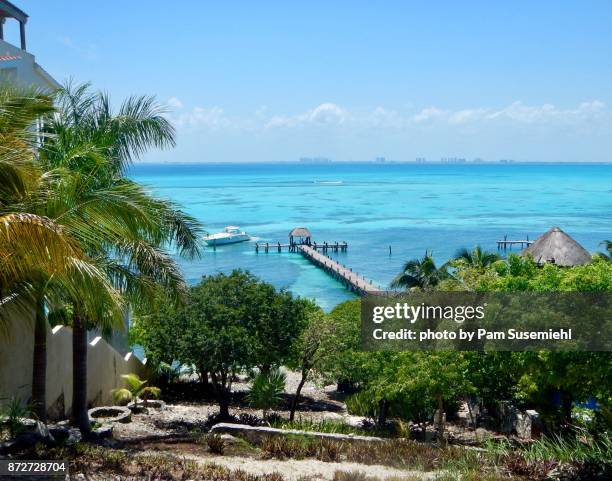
(410, 207)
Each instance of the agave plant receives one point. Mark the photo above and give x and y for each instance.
(266, 391)
(135, 389)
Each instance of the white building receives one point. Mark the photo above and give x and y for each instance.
(16, 64)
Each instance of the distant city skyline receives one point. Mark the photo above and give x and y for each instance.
(529, 81)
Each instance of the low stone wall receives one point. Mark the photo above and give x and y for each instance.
(255, 434)
(104, 366)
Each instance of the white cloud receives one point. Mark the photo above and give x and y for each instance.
(429, 113)
(547, 113)
(331, 115)
(466, 116)
(200, 117)
(517, 112)
(327, 114)
(323, 114)
(174, 103)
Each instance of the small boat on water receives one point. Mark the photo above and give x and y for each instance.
(230, 235)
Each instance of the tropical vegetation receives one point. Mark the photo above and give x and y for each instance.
(96, 240)
(420, 273)
(228, 324)
(412, 385)
(135, 389)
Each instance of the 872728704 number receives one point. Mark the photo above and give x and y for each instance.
(10, 467)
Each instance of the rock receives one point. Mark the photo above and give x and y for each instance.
(43, 431)
(228, 438)
(529, 425)
(60, 433)
(110, 414)
(154, 403)
(7, 447)
(526, 425)
(256, 434)
(103, 432)
(354, 421)
(436, 417)
(74, 436)
(24, 441)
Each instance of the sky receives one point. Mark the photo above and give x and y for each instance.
(275, 81)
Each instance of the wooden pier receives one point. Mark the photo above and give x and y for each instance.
(352, 280)
(293, 247)
(300, 241)
(505, 243)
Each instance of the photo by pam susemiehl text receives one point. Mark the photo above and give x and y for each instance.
(507, 321)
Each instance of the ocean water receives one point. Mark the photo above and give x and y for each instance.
(410, 207)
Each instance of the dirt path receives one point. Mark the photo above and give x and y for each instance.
(294, 469)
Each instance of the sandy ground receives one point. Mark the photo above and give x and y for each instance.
(143, 434)
(318, 403)
(293, 469)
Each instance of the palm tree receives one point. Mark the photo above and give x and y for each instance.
(477, 258)
(120, 225)
(608, 254)
(38, 258)
(421, 273)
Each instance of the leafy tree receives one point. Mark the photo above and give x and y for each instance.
(422, 273)
(277, 319)
(157, 326)
(222, 328)
(409, 385)
(312, 350)
(536, 376)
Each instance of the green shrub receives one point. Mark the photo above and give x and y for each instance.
(362, 404)
(267, 390)
(11, 415)
(134, 389)
(216, 444)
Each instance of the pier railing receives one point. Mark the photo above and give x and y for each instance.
(293, 247)
(505, 242)
(317, 254)
(354, 281)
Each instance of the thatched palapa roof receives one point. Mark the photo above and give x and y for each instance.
(300, 232)
(557, 247)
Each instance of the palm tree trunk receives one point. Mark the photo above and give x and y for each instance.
(39, 363)
(80, 417)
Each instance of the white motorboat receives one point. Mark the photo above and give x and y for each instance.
(230, 235)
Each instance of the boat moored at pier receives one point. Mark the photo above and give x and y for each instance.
(230, 235)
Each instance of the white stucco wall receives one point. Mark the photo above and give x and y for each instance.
(104, 366)
(23, 70)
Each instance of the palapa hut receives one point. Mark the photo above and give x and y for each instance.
(300, 235)
(556, 247)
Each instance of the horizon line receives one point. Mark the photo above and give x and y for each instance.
(388, 162)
